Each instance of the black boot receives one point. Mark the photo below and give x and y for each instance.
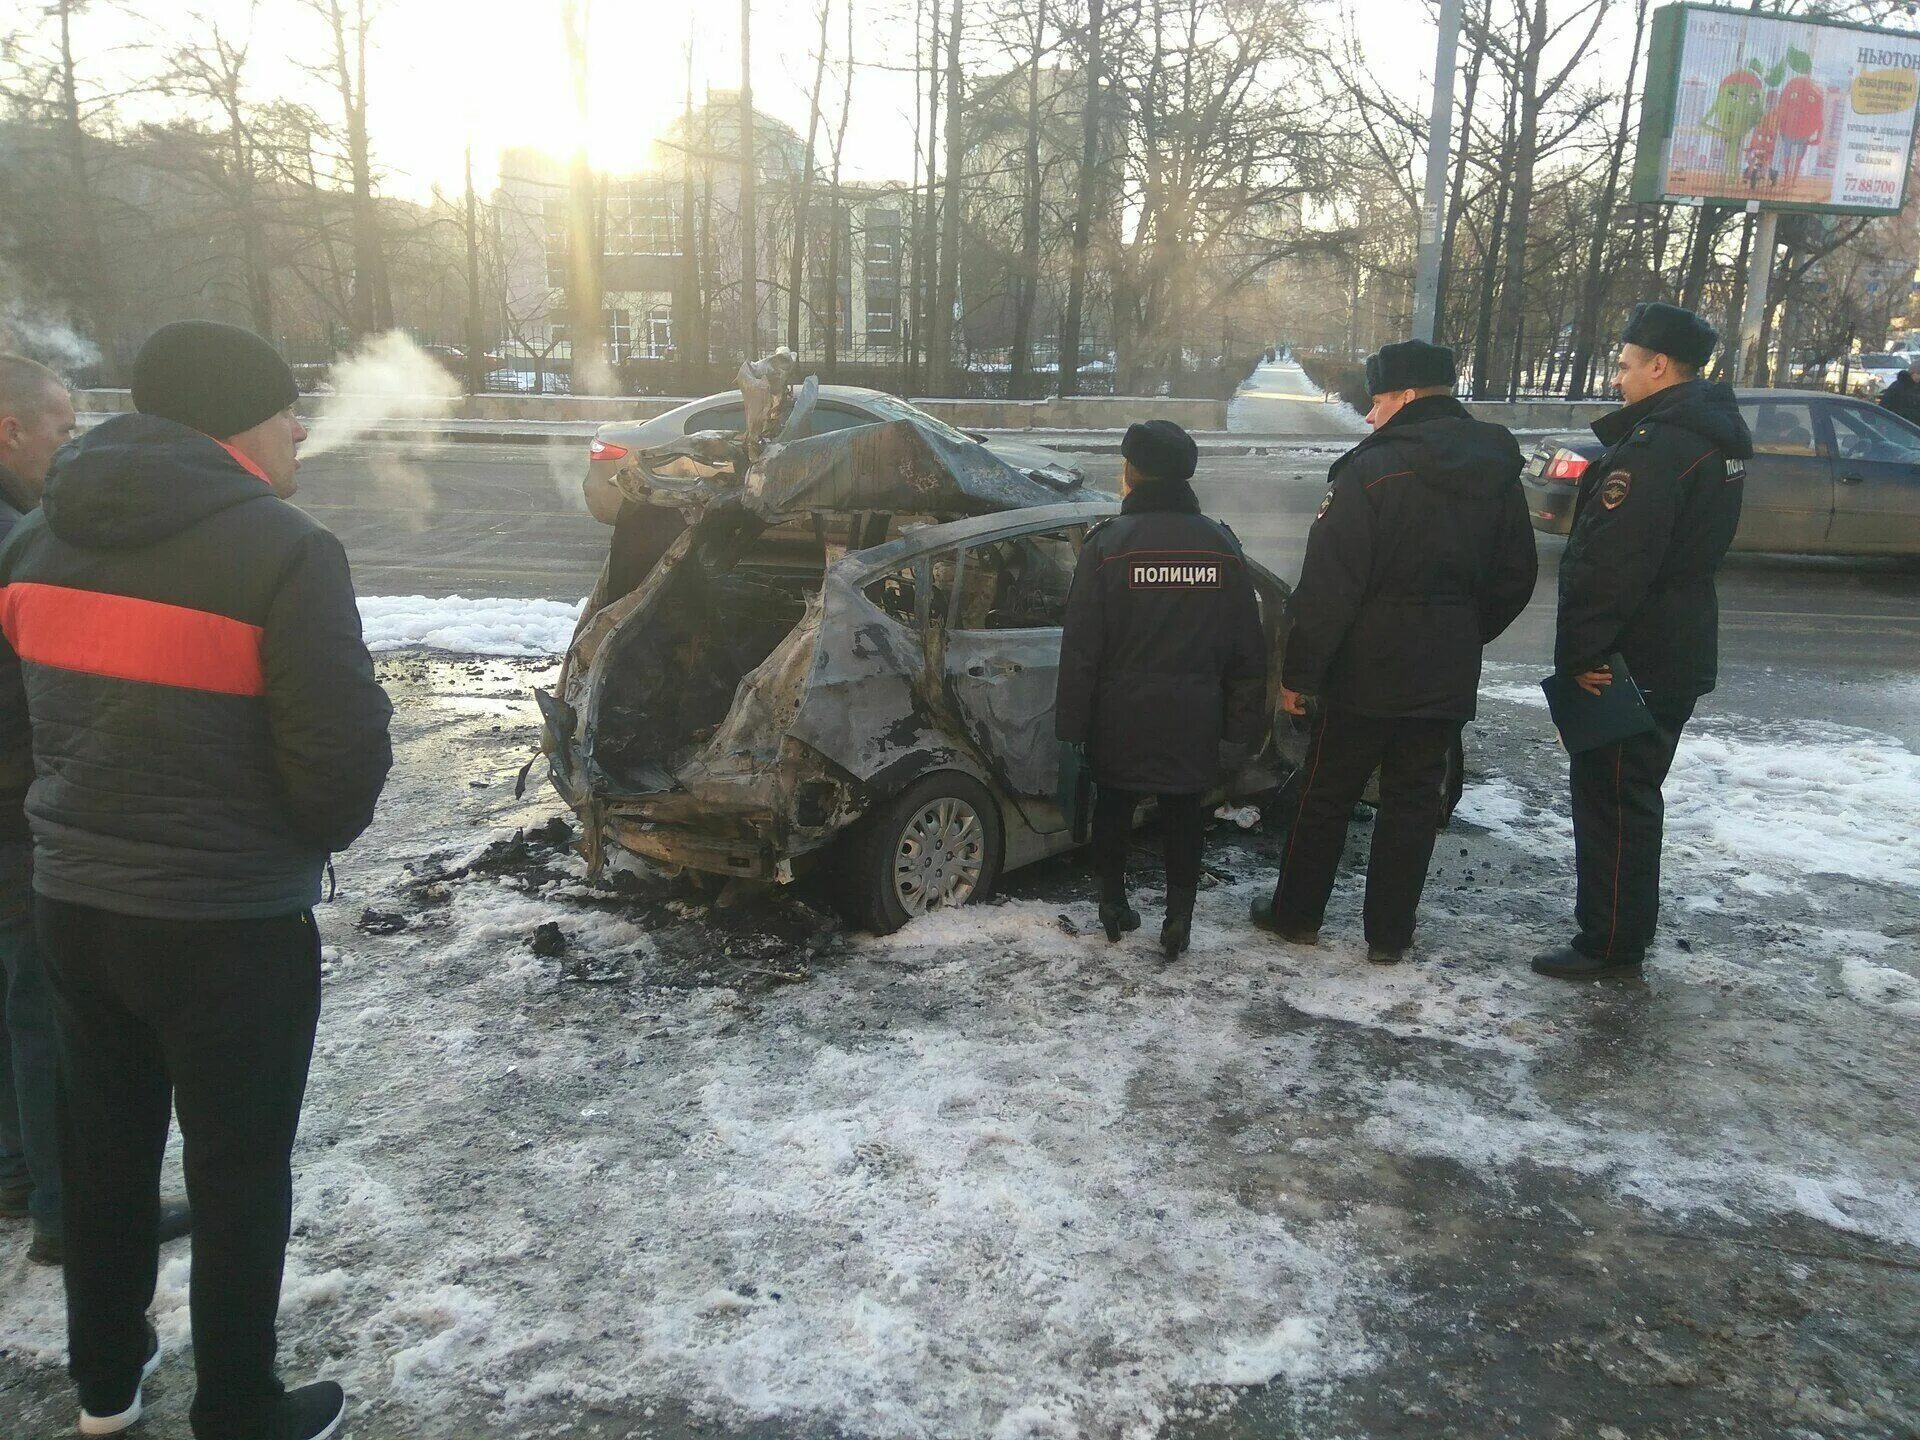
(1117, 915)
(1564, 962)
(1118, 918)
(1176, 931)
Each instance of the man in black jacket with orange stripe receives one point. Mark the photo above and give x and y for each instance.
(206, 729)
(1421, 555)
(1163, 670)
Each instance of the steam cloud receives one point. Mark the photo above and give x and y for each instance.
(388, 378)
(30, 330)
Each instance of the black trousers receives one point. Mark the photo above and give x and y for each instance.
(1183, 823)
(215, 1019)
(1411, 756)
(1618, 818)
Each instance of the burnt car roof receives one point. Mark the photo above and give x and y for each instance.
(903, 467)
(900, 466)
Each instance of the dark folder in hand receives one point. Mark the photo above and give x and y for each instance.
(1076, 791)
(1586, 722)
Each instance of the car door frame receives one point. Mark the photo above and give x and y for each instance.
(1879, 530)
(1785, 528)
(1032, 649)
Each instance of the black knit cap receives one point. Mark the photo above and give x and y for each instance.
(1160, 450)
(1669, 330)
(217, 379)
(1410, 365)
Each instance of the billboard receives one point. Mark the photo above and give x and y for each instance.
(1795, 114)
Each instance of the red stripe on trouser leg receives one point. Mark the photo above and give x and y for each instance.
(1286, 861)
(1619, 846)
(123, 638)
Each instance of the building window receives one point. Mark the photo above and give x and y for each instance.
(660, 332)
(642, 220)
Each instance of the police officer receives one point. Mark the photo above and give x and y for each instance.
(1163, 670)
(1421, 555)
(1653, 519)
(1902, 397)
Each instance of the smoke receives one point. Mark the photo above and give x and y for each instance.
(30, 329)
(388, 378)
(565, 470)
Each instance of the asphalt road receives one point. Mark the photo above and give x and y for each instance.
(507, 520)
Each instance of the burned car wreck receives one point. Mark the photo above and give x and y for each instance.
(835, 649)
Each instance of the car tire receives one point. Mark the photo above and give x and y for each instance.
(877, 891)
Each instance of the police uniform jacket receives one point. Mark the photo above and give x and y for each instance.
(1653, 519)
(1421, 555)
(1163, 656)
(1902, 397)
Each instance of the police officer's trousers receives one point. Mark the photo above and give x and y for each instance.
(1618, 811)
(1411, 756)
(1183, 823)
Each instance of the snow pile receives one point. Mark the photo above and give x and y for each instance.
(1789, 801)
(468, 627)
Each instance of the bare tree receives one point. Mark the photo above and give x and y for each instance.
(586, 239)
(1086, 190)
(1535, 32)
(349, 24)
(802, 185)
(749, 179)
(834, 205)
(946, 289)
(1027, 275)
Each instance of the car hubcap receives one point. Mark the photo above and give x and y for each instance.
(940, 856)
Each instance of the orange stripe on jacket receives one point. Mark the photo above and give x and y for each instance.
(123, 638)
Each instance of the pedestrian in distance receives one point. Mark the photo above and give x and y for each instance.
(207, 729)
(1902, 395)
(1163, 671)
(36, 419)
(1651, 524)
(1422, 554)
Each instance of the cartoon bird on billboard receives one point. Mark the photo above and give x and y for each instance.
(1736, 109)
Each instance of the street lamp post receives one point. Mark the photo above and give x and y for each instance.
(1426, 287)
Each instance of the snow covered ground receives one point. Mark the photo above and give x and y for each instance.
(612, 1162)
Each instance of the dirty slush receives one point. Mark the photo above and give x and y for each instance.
(606, 1160)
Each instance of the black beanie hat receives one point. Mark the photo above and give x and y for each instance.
(217, 379)
(1410, 365)
(1669, 330)
(1160, 450)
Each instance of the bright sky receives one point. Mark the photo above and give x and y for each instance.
(496, 69)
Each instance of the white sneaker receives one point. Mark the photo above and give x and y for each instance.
(91, 1424)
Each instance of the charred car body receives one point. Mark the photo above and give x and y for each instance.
(835, 646)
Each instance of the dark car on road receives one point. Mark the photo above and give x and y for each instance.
(1830, 475)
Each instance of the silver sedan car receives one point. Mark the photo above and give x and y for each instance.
(1830, 475)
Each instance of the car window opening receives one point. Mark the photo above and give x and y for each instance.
(674, 672)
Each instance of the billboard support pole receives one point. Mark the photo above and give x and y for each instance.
(1426, 284)
(1747, 358)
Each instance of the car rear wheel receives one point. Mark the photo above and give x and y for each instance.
(933, 846)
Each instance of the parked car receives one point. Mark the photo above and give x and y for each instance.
(1873, 372)
(1830, 475)
(838, 407)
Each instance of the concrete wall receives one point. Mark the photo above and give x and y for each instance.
(1081, 412)
(1541, 414)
